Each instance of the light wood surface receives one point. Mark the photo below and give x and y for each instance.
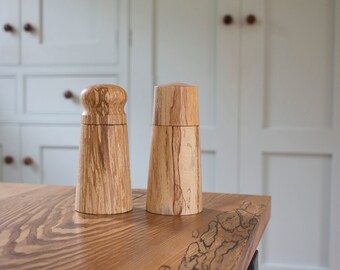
(175, 181)
(39, 229)
(175, 104)
(104, 184)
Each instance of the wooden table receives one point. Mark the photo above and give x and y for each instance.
(39, 229)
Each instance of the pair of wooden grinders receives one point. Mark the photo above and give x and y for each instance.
(104, 185)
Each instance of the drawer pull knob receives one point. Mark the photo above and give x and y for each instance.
(8, 28)
(68, 94)
(228, 19)
(8, 160)
(28, 27)
(251, 19)
(28, 161)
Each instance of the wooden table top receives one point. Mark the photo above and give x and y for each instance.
(39, 229)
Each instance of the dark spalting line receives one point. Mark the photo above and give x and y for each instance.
(224, 235)
(179, 201)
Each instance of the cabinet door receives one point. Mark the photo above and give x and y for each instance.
(73, 31)
(290, 128)
(53, 151)
(9, 154)
(9, 31)
(194, 46)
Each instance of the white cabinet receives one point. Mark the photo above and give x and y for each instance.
(70, 31)
(62, 31)
(10, 153)
(8, 95)
(290, 127)
(48, 154)
(50, 50)
(9, 31)
(63, 94)
(52, 154)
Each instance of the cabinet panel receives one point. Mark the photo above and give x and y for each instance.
(198, 48)
(291, 174)
(299, 61)
(10, 147)
(8, 94)
(54, 151)
(9, 40)
(45, 95)
(290, 123)
(72, 31)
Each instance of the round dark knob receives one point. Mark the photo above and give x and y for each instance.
(68, 94)
(28, 27)
(8, 28)
(28, 161)
(8, 159)
(228, 19)
(251, 19)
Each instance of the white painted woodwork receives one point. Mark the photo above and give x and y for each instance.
(9, 146)
(8, 95)
(54, 150)
(290, 174)
(9, 41)
(72, 31)
(198, 49)
(77, 43)
(45, 94)
(140, 94)
(290, 128)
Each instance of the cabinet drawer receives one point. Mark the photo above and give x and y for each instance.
(7, 94)
(53, 151)
(47, 94)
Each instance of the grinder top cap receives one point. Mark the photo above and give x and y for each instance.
(103, 105)
(175, 104)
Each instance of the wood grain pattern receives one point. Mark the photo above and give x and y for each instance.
(12, 189)
(175, 181)
(174, 186)
(104, 184)
(103, 104)
(175, 104)
(39, 229)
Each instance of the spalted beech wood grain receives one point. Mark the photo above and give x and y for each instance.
(104, 185)
(104, 173)
(175, 181)
(174, 186)
(175, 104)
(39, 229)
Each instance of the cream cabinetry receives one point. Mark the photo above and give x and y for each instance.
(10, 168)
(49, 51)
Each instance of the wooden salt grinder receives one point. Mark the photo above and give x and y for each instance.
(104, 185)
(175, 184)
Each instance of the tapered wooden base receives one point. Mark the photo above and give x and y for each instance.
(104, 185)
(175, 185)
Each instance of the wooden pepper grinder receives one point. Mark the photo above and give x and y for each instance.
(104, 185)
(175, 184)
